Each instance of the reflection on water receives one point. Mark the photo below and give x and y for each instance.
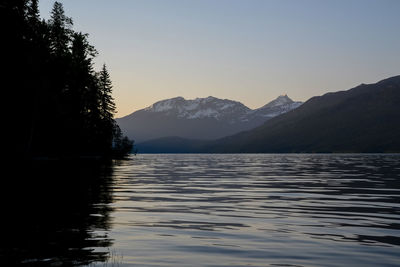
(208, 210)
(258, 210)
(56, 214)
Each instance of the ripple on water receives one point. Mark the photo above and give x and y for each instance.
(257, 210)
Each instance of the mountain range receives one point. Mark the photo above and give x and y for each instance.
(363, 119)
(201, 118)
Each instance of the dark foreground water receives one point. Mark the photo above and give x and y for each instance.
(210, 210)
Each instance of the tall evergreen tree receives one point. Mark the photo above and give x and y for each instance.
(120, 144)
(33, 11)
(80, 96)
(107, 105)
(61, 30)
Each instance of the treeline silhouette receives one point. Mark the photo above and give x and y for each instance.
(64, 108)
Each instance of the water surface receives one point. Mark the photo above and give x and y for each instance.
(208, 210)
(257, 210)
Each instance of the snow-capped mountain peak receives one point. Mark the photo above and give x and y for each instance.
(279, 101)
(280, 105)
(165, 105)
(199, 118)
(198, 108)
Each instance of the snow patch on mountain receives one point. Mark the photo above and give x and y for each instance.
(219, 109)
(203, 113)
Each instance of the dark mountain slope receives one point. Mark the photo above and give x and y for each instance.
(363, 119)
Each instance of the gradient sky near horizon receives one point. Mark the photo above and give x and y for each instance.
(246, 50)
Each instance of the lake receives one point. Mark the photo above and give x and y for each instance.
(209, 210)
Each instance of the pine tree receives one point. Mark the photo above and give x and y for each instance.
(60, 27)
(107, 105)
(121, 144)
(33, 11)
(81, 87)
(80, 96)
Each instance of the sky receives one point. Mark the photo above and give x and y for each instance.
(250, 51)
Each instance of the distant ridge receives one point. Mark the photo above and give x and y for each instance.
(201, 118)
(363, 119)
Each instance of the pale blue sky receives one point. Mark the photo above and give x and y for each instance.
(245, 50)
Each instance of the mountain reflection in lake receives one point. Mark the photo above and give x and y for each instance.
(219, 210)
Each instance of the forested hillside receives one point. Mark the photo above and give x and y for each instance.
(62, 106)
